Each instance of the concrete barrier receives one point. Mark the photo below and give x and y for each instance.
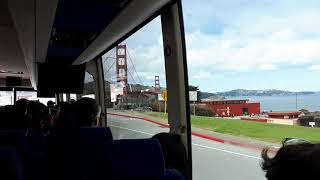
(283, 121)
(263, 120)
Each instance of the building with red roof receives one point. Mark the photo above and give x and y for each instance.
(287, 118)
(284, 115)
(229, 108)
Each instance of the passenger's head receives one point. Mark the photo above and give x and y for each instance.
(72, 101)
(87, 111)
(65, 116)
(22, 102)
(39, 115)
(294, 161)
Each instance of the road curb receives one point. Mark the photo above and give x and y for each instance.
(141, 118)
(212, 138)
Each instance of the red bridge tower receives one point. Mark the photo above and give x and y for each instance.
(122, 66)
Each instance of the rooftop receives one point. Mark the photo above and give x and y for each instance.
(284, 113)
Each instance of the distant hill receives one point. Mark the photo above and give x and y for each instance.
(89, 89)
(268, 92)
(210, 96)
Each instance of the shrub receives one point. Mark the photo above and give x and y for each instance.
(202, 111)
(304, 121)
(158, 107)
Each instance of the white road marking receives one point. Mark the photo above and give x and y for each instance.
(226, 151)
(212, 148)
(131, 130)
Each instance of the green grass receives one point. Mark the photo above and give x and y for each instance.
(256, 130)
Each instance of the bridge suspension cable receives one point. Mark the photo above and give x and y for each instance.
(134, 68)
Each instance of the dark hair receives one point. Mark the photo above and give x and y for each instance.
(22, 102)
(86, 110)
(50, 104)
(294, 162)
(39, 115)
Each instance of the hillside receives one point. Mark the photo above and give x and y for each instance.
(268, 92)
(89, 89)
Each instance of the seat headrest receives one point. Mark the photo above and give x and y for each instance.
(172, 174)
(96, 134)
(136, 158)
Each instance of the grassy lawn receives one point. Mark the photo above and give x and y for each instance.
(261, 131)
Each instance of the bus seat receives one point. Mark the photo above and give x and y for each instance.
(14, 138)
(174, 152)
(37, 156)
(95, 134)
(77, 152)
(134, 159)
(12, 117)
(10, 164)
(172, 174)
(92, 140)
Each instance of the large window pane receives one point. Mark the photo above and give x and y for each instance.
(6, 98)
(89, 86)
(255, 65)
(32, 96)
(135, 78)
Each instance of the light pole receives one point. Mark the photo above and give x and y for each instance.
(296, 101)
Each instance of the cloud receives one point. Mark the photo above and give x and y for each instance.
(230, 52)
(230, 39)
(202, 75)
(280, 34)
(267, 67)
(314, 68)
(145, 56)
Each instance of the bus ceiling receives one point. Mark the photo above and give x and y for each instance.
(65, 31)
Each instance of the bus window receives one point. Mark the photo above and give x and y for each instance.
(64, 97)
(135, 82)
(6, 98)
(89, 86)
(73, 96)
(32, 96)
(29, 95)
(255, 66)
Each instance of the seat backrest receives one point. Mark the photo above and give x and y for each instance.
(63, 150)
(14, 138)
(37, 156)
(174, 152)
(134, 159)
(172, 174)
(95, 135)
(77, 152)
(10, 164)
(91, 149)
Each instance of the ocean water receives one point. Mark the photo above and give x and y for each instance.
(284, 103)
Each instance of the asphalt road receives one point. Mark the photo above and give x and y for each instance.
(211, 160)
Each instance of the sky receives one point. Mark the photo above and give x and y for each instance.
(236, 44)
